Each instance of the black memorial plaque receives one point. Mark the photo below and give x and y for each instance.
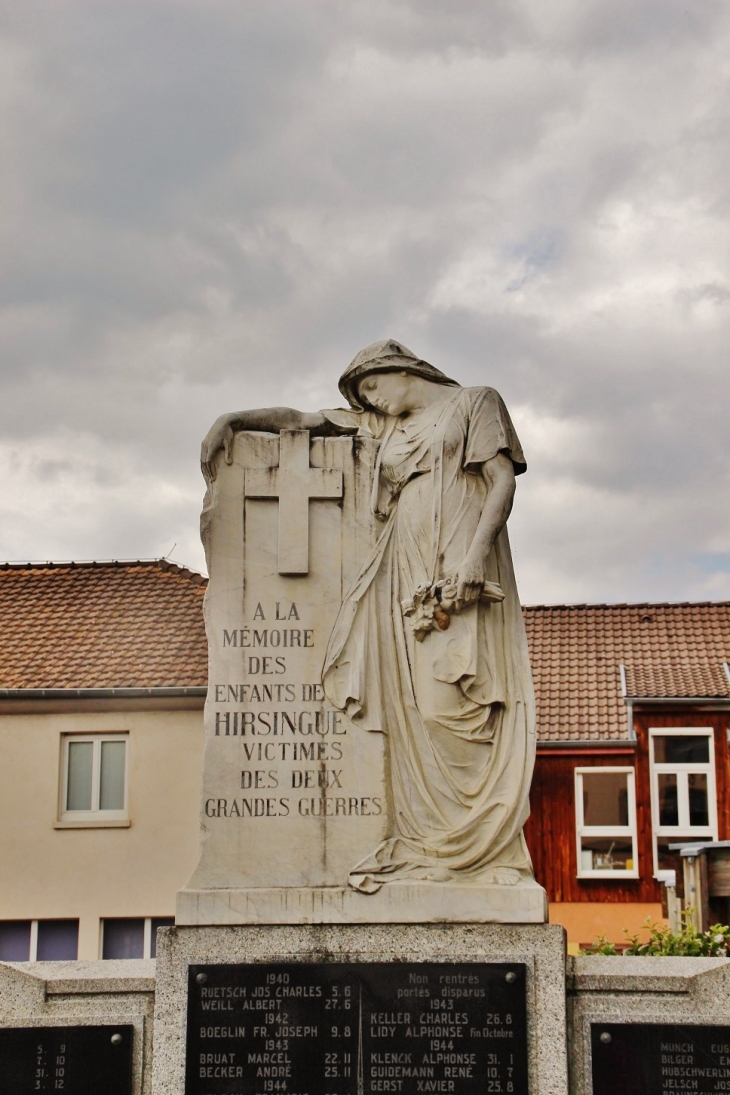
(357, 1029)
(653, 1059)
(66, 1060)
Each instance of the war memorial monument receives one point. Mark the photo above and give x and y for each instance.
(364, 896)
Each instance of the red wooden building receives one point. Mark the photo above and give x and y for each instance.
(633, 714)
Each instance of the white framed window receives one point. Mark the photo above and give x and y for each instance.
(683, 794)
(605, 823)
(94, 777)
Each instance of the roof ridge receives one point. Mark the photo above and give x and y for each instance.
(94, 564)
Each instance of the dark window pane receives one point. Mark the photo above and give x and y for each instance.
(58, 940)
(14, 940)
(123, 938)
(668, 808)
(699, 813)
(605, 798)
(692, 749)
(606, 854)
(159, 922)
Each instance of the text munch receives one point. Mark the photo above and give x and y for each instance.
(659, 1059)
(337, 1029)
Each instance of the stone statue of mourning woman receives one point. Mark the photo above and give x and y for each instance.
(429, 646)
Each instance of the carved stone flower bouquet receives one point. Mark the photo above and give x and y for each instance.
(432, 606)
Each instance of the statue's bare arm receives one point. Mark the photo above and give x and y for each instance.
(499, 475)
(267, 420)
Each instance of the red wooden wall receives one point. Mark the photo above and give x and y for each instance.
(550, 831)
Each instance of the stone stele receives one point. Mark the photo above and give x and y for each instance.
(294, 794)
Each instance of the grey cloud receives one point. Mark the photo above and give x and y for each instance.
(214, 205)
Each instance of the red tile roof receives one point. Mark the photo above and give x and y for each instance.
(101, 625)
(667, 650)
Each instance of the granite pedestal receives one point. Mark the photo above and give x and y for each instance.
(540, 948)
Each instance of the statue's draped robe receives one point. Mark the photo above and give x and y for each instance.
(457, 707)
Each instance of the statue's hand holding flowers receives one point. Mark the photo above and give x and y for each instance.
(432, 606)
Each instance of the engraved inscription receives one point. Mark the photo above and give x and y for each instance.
(336, 1029)
(294, 748)
(66, 1060)
(659, 1059)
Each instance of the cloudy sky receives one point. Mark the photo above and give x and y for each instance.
(207, 205)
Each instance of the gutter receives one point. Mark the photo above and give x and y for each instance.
(101, 693)
(722, 701)
(687, 849)
(592, 744)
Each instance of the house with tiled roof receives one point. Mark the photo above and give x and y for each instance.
(103, 674)
(103, 671)
(633, 716)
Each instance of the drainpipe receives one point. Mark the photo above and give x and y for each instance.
(631, 730)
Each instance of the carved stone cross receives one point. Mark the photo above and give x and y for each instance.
(294, 483)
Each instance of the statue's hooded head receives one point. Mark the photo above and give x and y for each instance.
(387, 356)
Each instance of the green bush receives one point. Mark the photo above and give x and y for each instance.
(686, 943)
